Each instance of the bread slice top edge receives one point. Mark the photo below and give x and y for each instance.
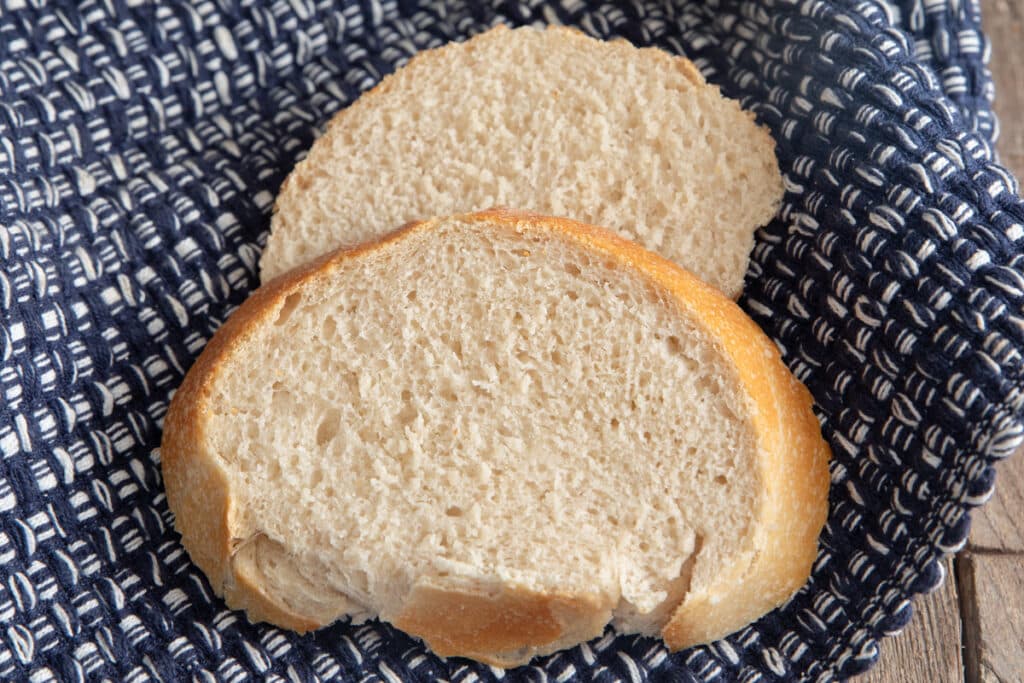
(791, 508)
(639, 177)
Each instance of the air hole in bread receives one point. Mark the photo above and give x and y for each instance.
(407, 415)
(328, 427)
(708, 386)
(673, 345)
(291, 302)
(316, 477)
(330, 328)
(282, 400)
(727, 411)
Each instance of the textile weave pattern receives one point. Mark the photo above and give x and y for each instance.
(141, 145)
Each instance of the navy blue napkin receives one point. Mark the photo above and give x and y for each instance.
(141, 145)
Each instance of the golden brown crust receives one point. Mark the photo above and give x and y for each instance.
(197, 487)
(498, 624)
(509, 626)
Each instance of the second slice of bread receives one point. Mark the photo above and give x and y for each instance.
(544, 120)
(499, 432)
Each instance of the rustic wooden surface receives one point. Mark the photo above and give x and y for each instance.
(999, 526)
(992, 586)
(972, 629)
(1004, 22)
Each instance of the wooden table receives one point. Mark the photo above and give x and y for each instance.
(972, 628)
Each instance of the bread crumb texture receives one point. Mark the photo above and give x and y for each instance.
(543, 120)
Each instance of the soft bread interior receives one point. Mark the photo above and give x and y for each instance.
(543, 120)
(484, 405)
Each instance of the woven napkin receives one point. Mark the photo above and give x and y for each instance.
(141, 146)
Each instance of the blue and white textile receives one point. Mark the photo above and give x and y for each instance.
(142, 144)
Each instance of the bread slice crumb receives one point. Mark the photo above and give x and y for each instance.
(544, 120)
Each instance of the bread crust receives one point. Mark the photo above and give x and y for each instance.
(508, 625)
(497, 624)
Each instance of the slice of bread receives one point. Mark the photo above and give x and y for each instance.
(499, 432)
(544, 120)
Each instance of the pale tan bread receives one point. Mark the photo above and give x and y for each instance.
(499, 432)
(544, 120)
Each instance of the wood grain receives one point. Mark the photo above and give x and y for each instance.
(991, 574)
(992, 587)
(929, 648)
(999, 525)
(1003, 21)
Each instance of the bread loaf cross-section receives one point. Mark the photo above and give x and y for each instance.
(549, 121)
(498, 432)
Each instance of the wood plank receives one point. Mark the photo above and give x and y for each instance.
(1003, 21)
(929, 647)
(990, 575)
(992, 587)
(999, 524)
